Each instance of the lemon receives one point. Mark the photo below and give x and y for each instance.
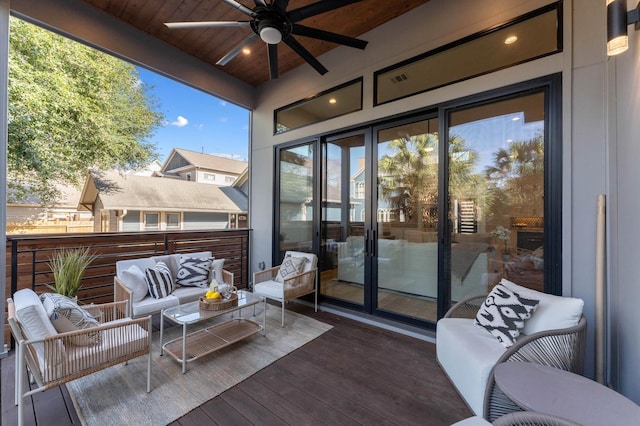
(209, 294)
(216, 295)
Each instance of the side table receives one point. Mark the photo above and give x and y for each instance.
(560, 393)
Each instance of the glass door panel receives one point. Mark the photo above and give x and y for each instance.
(296, 199)
(406, 256)
(343, 218)
(496, 195)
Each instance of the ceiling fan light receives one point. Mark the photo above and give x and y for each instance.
(270, 35)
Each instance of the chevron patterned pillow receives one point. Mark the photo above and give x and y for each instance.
(194, 271)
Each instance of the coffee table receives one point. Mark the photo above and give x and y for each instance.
(203, 341)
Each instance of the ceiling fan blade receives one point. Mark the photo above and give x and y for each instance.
(237, 49)
(328, 36)
(242, 8)
(280, 4)
(305, 54)
(207, 24)
(318, 8)
(273, 61)
(260, 3)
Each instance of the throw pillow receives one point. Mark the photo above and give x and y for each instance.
(133, 278)
(66, 315)
(194, 271)
(216, 270)
(291, 266)
(159, 280)
(503, 314)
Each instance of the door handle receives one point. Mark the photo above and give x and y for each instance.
(373, 243)
(366, 243)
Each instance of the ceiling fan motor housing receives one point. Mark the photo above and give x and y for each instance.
(271, 26)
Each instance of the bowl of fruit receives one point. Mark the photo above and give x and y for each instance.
(214, 300)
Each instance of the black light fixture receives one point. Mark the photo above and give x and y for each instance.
(617, 21)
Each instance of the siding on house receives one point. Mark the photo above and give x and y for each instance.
(196, 220)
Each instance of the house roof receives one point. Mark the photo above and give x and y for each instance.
(130, 192)
(204, 161)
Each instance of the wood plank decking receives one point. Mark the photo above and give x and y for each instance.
(355, 374)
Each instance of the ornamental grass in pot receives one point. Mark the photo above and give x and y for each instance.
(68, 267)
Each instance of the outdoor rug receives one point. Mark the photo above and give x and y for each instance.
(117, 395)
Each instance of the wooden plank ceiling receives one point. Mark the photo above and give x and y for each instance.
(210, 45)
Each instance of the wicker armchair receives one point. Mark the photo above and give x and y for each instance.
(56, 358)
(531, 418)
(560, 348)
(265, 284)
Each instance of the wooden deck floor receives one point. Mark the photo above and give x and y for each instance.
(355, 374)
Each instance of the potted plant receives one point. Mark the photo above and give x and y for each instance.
(503, 234)
(68, 267)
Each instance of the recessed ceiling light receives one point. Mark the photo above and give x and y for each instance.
(511, 39)
(332, 101)
(515, 118)
(246, 51)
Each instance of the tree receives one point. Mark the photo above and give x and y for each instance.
(71, 107)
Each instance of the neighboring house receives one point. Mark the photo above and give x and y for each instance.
(150, 170)
(127, 203)
(29, 215)
(202, 168)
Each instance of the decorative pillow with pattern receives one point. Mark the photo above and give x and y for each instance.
(159, 280)
(194, 271)
(66, 315)
(291, 266)
(503, 314)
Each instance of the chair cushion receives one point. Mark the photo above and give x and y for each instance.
(503, 314)
(271, 289)
(66, 315)
(159, 280)
(291, 266)
(467, 355)
(134, 279)
(553, 312)
(194, 271)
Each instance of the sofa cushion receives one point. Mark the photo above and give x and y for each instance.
(134, 279)
(159, 280)
(291, 266)
(553, 312)
(194, 271)
(66, 315)
(142, 263)
(171, 260)
(149, 305)
(467, 356)
(188, 294)
(503, 314)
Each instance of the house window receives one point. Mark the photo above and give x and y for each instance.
(151, 220)
(173, 220)
(189, 176)
(360, 190)
(209, 176)
(229, 179)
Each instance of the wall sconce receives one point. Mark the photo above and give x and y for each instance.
(617, 21)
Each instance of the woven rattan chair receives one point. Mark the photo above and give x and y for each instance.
(265, 284)
(531, 418)
(561, 348)
(57, 359)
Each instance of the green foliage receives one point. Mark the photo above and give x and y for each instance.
(71, 107)
(68, 266)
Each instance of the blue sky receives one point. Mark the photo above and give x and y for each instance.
(197, 121)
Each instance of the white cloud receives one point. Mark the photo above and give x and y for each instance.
(223, 103)
(180, 122)
(223, 119)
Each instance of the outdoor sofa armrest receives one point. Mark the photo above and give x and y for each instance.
(106, 312)
(562, 348)
(122, 294)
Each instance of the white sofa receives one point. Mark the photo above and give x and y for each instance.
(554, 335)
(128, 287)
(411, 267)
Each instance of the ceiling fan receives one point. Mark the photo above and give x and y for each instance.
(273, 23)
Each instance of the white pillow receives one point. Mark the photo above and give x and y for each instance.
(216, 270)
(553, 312)
(133, 278)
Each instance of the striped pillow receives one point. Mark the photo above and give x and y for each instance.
(194, 271)
(159, 280)
(66, 315)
